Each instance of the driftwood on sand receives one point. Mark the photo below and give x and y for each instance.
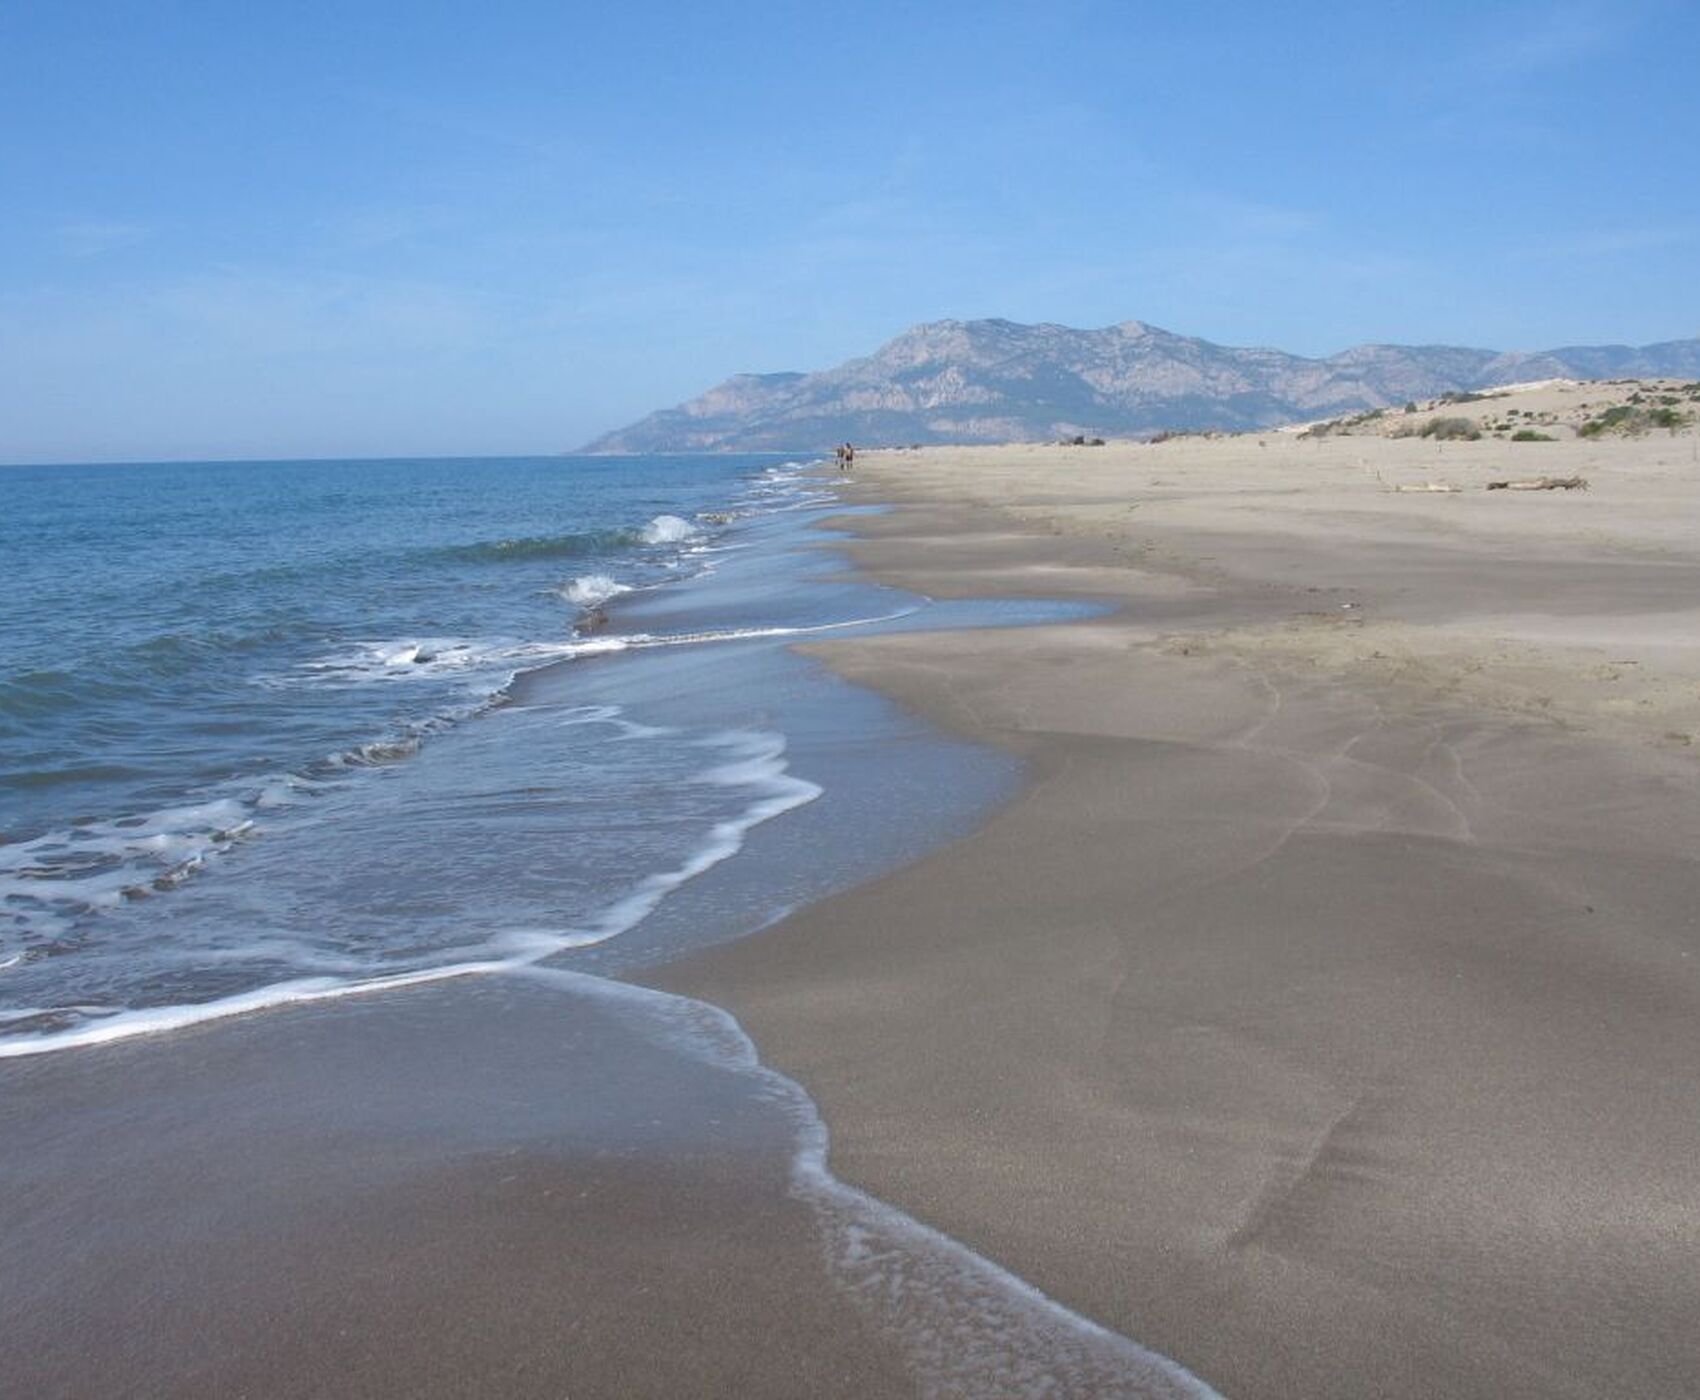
(1541, 483)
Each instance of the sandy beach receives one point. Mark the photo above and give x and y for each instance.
(1324, 1013)
(876, 702)
(1318, 1014)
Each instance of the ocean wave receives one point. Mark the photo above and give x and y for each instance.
(667, 529)
(173, 653)
(663, 529)
(142, 669)
(759, 762)
(568, 546)
(748, 759)
(401, 660)
(590, 589)
(50, 880)
(44, 692)
(67, 772)
(493, 659)
(381, 751)
(32, 698)
(55, 879)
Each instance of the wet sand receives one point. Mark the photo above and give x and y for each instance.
(1325, 1012)
(528, 1184)
(483, 1188)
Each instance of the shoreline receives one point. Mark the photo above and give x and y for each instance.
(726, 747)
(1320, 1013)
(1318, 1023)
(537, 1178)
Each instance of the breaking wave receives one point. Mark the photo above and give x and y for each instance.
(590, 589)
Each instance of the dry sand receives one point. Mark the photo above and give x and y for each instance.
(1326, 1013)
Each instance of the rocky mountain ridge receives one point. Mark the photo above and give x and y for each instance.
(1001, 381)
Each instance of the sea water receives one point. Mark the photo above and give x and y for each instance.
(282, 730)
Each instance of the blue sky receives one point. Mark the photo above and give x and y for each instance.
(416, 228)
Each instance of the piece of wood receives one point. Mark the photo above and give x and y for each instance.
(1541, 483)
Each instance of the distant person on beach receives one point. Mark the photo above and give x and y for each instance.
(849, 457)
(838, 456)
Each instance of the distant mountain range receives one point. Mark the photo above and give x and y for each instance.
(999, 381)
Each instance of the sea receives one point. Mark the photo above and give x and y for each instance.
(272, 731)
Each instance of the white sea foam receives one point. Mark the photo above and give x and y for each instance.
(667, 529)
(967, 1326)
(123, 1025)
(492, 660)
(61, 874)
(590, 589)
(284, 791)
(611, 715)
(500, 658)
(400, 659)
(759, 763)
(756, 761)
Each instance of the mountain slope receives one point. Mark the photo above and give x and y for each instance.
(997, 381)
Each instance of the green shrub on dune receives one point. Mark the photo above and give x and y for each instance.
(1451, 430)
(1629, 419)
